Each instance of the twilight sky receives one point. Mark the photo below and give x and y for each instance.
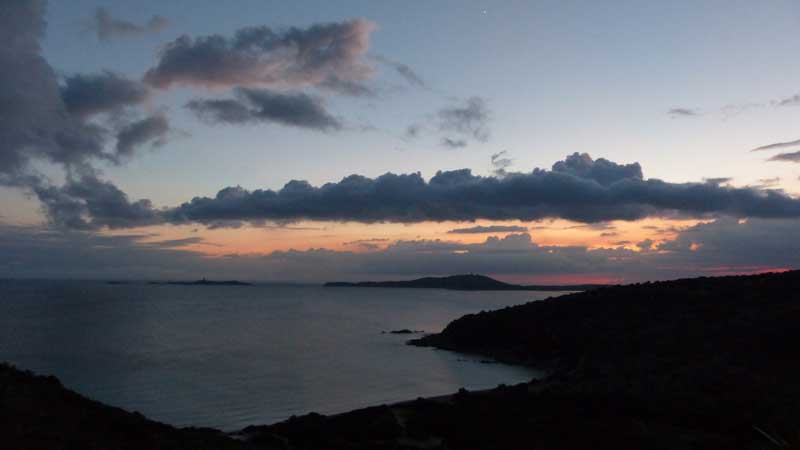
(547, 141)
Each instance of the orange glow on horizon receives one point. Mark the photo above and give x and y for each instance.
(359, 238)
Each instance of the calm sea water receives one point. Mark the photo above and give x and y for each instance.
(233, 356)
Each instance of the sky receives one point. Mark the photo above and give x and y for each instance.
(535, 141)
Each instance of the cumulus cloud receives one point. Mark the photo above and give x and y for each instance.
(259, 105)
(471, 118)
(108, 27)
(263, 57)
(152, 130)
(578, 188)
(87, 203)
(480, 229)
(602, 171)
(777, 146)
(88, 94)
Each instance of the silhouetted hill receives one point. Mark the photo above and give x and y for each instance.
(706, 363)
(461, 283)
(36, 412)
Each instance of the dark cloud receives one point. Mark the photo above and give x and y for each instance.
(87, 203)
(262, 57)
(469, 119)
(578, 189)
(88, 94)
(489, 229)
(728, 244)
(683, 112)
(777, 146)
(152, 130)
(260, 105)
(36, 123)
(108, 27)
(787, 157)
(453, 143)
(403, 70)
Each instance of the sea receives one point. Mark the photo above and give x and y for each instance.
(232, 356)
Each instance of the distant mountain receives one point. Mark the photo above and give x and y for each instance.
(469, 282)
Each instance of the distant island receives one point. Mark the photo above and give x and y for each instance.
(469, 282)
(205, 282)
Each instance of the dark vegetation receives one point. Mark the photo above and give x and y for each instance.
(461, 283)
(37, 413)
(707, 363)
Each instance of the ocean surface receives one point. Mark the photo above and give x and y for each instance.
(232, 356)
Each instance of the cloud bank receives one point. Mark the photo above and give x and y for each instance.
(720, 247)
(579, 189)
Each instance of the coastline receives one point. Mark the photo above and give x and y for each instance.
(698, 363)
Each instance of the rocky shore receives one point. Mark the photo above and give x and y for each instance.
(706, 363)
